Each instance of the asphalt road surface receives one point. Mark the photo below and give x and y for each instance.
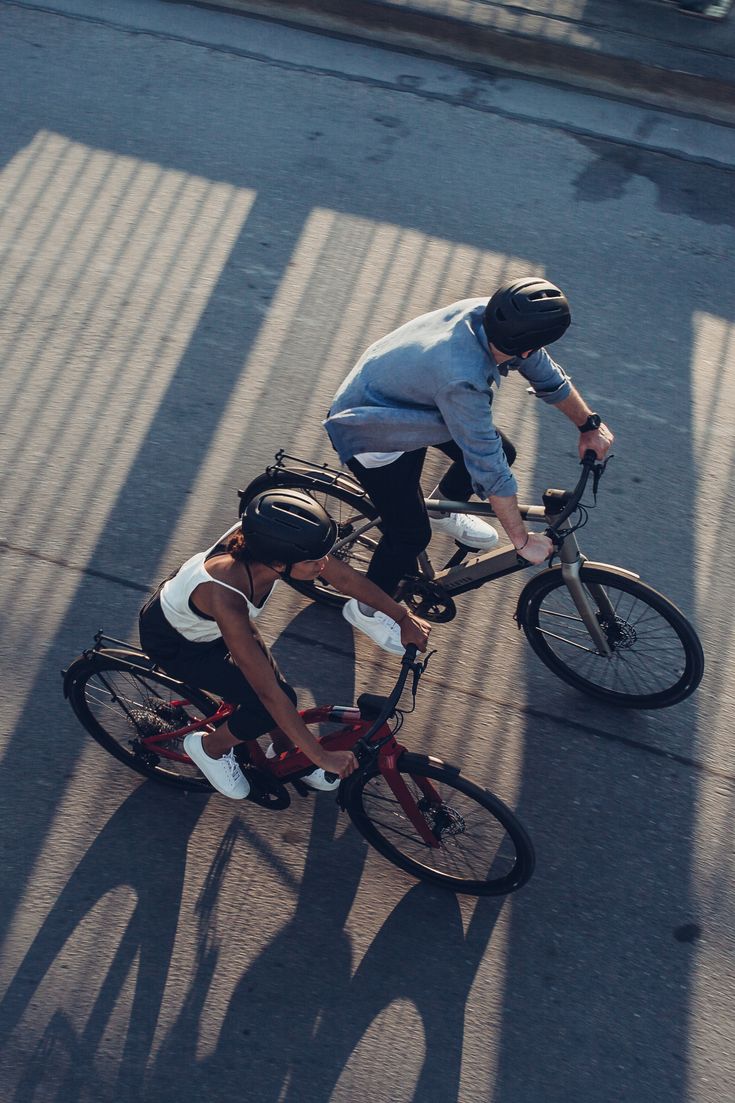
(203, 221)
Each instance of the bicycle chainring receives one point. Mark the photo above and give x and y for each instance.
(428, 600)
(265, 790)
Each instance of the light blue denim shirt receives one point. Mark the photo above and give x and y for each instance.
(431, 381)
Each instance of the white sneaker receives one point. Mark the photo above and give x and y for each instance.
(317, 779)
(380, 628)
(469, 530)
(223, 773)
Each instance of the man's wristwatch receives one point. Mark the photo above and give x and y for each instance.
(594, 421)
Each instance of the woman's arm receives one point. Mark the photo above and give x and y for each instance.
(414, 630)
(230, 612)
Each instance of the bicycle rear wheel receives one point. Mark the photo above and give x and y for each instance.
(120, 704)
(483, 849)
(656, 661)
(351, 513)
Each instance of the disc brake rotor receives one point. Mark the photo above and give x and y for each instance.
(442, 819)
(620, 634)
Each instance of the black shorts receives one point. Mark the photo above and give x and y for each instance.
(208, 666)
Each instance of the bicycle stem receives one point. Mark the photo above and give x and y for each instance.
(588, 464)
(408, 664)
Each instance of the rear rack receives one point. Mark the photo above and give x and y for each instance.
(320, 475)
(100, 638)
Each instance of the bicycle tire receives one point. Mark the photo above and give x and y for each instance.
(113, 701)
(348, 510)
(505, 866)
(637, 635)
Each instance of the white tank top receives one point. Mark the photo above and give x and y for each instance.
(176, 592)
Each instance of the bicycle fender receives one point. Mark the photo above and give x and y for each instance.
(296, 476)
(621, 572)
(135, 658)
(532, 585)
(70, 674)
(442, 765)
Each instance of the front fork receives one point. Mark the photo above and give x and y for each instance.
(572, 561)
(389, 769)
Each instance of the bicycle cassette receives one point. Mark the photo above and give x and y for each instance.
(427, 600)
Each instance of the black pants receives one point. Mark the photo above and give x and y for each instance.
(396, 492)
(208, 666)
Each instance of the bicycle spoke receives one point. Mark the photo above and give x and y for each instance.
(130, 708)
(480, 844)
(649, 656)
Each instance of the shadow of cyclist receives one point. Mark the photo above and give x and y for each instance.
(141, 849)
(301, 1009)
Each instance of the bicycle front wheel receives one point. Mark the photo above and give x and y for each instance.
(656, 661)
(483, 849)
(120, 705)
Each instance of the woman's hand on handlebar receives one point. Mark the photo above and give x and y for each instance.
(414, 630)
(537, 549)
(598, 441)
(341, 763)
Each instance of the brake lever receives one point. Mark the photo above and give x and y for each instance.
(597, 472)
(418, 670)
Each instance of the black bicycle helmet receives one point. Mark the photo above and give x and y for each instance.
(525, 315)
(287, 526)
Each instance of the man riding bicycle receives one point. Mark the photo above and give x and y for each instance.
(199, 627)
(431, 383)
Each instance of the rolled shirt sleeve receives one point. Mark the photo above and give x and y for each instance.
(466, 410)
(548, 380)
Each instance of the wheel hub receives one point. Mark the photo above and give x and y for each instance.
(620, 635)
(442, 819)
(149, 721)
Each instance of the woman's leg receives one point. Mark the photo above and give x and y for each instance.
(209, 666)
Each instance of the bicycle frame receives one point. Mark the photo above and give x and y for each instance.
(467, 572)
(375, 736)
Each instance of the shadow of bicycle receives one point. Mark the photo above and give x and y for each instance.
(301, 1009)
(126, 889)
(104, 1006)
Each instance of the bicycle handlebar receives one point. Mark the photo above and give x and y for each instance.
(589, 464)
(408, 664)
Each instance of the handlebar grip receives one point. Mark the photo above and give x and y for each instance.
(410, 654)
(589, 457)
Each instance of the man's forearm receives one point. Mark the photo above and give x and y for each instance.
(575, 407)
(507, 512)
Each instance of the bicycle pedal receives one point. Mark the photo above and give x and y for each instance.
(266, 791)
(301, 789)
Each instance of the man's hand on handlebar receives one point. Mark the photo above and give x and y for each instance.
(537, 549)
(598, 441)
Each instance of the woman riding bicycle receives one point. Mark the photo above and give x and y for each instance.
(198, 627)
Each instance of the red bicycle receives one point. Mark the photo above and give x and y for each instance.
(420, 813)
